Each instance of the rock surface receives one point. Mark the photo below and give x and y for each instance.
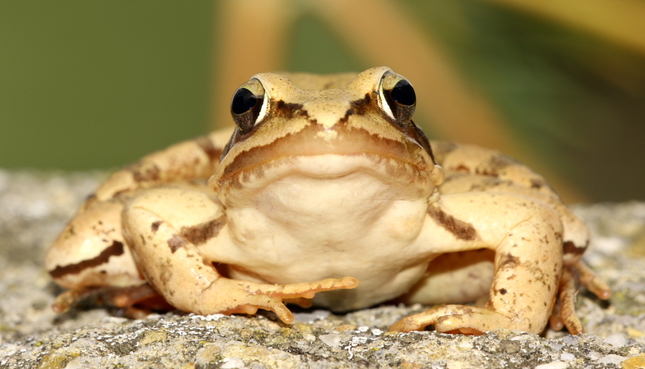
(34, 207)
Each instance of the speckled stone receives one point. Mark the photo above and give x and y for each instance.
(35, 206)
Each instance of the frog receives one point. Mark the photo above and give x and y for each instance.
(326, 193)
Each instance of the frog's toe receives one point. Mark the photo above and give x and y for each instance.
(245, 297)
(456, 319)
(590, 280)
(564, 313)
(296, 292)
(65, 300)
(251, 304)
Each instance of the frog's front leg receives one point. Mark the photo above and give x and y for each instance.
(526, 235)
(165, 227)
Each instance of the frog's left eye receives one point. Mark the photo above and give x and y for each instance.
(248, 105)
(398, 98)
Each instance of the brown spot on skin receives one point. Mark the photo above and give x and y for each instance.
(570, 248)
(165, 276)
(460, 229)
(288, 110)
(487, 183)
(509, 261)
(499, 162)
(71, 230)
(362, 106)
(495, 165)
(207, 146)
(462, 168)
(466, 310)
(155, 226)
(328, 85)
(203, 232)
(145, 172)
(176, 242)
(116, 249)
(121, 192)
(537, 183)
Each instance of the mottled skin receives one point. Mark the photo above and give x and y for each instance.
(326, 190)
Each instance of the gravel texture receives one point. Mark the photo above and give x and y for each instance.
(34, 207)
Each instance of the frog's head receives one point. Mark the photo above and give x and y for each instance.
(325, 128)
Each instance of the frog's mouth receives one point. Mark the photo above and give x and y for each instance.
(328, 154)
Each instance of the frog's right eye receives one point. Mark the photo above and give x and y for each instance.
(248, 105)
(397, 98)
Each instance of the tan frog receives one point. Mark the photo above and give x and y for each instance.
(327, 190)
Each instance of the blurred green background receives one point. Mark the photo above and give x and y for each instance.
(95, 85)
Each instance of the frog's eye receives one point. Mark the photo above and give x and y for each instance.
(248, 105)
(397, 98)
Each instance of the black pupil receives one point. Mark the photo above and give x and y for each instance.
(243, 101)
(403, 93)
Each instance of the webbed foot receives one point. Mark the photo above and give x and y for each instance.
(457, 319)
(243, 297)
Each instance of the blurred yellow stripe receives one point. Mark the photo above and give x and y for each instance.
(253, 39)
(620, 21)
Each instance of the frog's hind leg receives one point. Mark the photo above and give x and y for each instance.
(527, 238)
(90, 253)
(591, 281)
(135, 302)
